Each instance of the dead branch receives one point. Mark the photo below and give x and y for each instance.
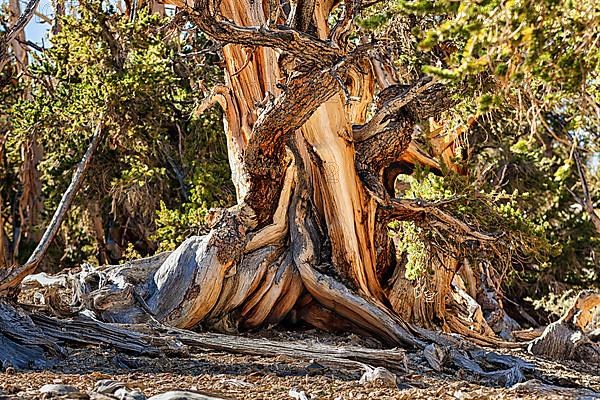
(588, 203)
(160, 339)
(15, 275)
(395, 97)
(340, 32)
(297, 43)
(407, 209)
(219, 94)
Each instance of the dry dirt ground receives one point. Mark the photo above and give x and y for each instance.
(233, 376)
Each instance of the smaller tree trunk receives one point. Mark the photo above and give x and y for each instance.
(59, 13)
(18, 43)
(587, 202)
(565, 338)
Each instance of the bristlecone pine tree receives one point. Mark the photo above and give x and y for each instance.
(313, 156)
(309, 235)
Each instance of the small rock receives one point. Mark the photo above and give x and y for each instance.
(128, 394)
(117, 389)
(107, 386)
(378, 374)
(436, 356)
(63, 391)
(298, 395)
(57, 389)
(314, 366)
(182, 395)
(10, 370)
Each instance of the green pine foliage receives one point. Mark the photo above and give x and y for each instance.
(529, 70)
(160, 166)
(495, 213)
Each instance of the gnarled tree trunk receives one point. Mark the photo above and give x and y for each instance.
(315, 186)
(314, 180)
(309, 174)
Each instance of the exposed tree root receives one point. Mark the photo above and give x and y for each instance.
(549, 391)
(212, 280)
(267, 285)
(155, 339)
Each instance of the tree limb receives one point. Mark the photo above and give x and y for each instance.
(427, 96)
(298, 44)
(380, 150)
(384, 139)
(303, 17)
(340, 32)
(587, 198)
(264, 158)
(116, 50)
(409, 209)
(219, 94)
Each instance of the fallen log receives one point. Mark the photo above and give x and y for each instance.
(153, 340)
(46, 336)
(22, 343)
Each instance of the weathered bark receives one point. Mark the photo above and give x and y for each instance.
(24, 345)
(435, 300)
(273, 110)
(28, 339)
(159, 340)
